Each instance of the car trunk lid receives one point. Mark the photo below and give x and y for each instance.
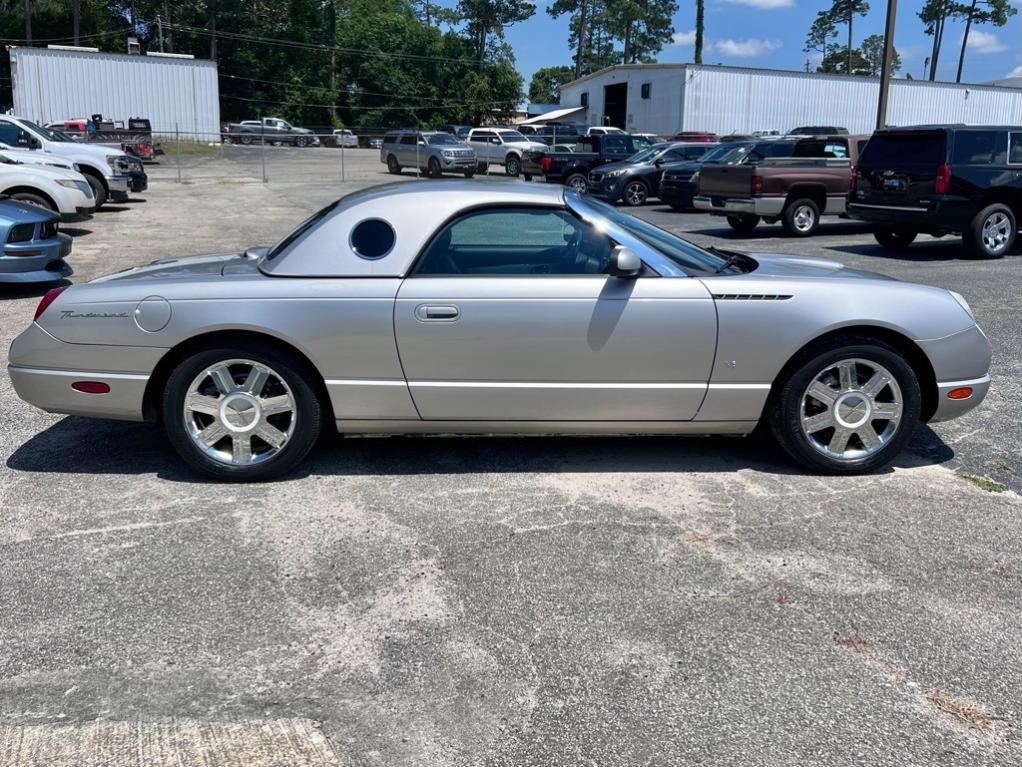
(901, 168)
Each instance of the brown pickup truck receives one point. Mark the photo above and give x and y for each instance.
(795, 190)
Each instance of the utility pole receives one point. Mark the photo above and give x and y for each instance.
(885, 69)
(77, 18)
(212, 28)
(28, 22)
(159, 27)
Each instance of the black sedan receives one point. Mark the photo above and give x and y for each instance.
(635, 180)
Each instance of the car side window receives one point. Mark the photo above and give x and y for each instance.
(979, 148)
(1015, 148)
(9, 133)
(480, 138)
(515, 241)
(612, 143)
(408, 140)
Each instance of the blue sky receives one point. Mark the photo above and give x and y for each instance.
(771, 33)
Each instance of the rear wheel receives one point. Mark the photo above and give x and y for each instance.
(246, 139)
(98, 189)
(301, 141)
(895, 239)
(635, 193)
(846, 408)
(992, 232)
(392, 164)
(33, 199)
(512, 165)
(242, 412)
(743, 224)
(801, 218)
(577, 182)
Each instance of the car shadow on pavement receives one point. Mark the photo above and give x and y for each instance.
(31, 290)
(85, 446)
(73, 231)
(774, 232)
(935, 250)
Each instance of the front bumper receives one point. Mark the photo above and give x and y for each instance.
(608, 189)
(36, 261)
(764, 207)
(948, 408)
(960, 359)
(459, 164)
(81, 213)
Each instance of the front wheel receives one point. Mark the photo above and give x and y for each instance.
(847, 409)
(301, 141)
(98, 189)
(244, 412)
(895, 239)
(577, 182)
(801, 218)
(433, 168)
(512, 166)
(743, 224)
(992, 232)
(481, 167)
(635, 194)
(33, 199)
(469, 173)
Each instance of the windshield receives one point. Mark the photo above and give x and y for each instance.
(443, 139)
(46, 133)
(647, 155)
(685, 254)
(726, 153)
(512, 136)
(284, 245)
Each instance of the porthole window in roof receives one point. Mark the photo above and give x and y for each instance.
(372, 238)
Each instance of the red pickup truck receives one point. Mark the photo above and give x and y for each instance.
(796, 190)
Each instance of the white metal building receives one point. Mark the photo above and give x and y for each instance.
(666, 98)
(173, 92)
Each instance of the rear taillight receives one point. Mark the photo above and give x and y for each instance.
(943, 183)
(545, 163)
(757, 185)
(853, 182)
(48, 298)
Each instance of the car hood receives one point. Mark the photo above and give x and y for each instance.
(198, 267)
(91, 151)
(37, 170)
(23, 213)
(611, 166)
(773, 265)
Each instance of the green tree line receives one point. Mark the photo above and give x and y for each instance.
(357, 63)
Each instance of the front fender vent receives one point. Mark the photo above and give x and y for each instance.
(750, 297)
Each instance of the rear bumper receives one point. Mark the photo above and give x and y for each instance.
(50, 390)
(765, 207)
(937, 217)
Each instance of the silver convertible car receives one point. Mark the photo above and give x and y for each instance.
(474, 308)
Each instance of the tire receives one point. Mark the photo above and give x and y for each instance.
(895, 239)
(433, 168)
(512, 165)
(577, 181)
(635, 194)
(287, 387)
(870, 443)
(481, 167)
(98, 188)
(301, 142)
(801, 218)
(276, 142)
(992, 232)
(527, 176)
(246, 140)
(743, 224)
(392, 165)
(469, 173)
(34, 199)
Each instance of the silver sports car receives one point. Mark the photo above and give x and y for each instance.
(478, 308)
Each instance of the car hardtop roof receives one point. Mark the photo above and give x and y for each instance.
(948, 127)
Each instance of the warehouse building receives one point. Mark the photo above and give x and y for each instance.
(175, 92)
(666, 98)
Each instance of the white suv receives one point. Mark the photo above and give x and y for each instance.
(110, 172)
(502, 146)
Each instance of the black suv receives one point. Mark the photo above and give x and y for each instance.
(942, 179)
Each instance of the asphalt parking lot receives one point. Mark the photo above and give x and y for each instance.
(426, 601)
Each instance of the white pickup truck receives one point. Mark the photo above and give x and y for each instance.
(502, 146)
(110, 172)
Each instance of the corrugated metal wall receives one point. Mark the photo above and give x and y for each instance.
(51, 85)
(737, 99)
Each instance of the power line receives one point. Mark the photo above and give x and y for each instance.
(411, 107)
(352, 91)
(18, 40)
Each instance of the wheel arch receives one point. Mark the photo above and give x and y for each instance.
(33, 190)
(815, 192)
(91, 170)
(908, 348)
(161, 373)
(1006, 195)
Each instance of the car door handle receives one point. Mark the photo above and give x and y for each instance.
(437, 312)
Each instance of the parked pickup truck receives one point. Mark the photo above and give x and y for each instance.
(272, 130)
(796, 190)
(572, 168)
(136, 139)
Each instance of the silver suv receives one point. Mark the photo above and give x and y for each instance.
(434, 152)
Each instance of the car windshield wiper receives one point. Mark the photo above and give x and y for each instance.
(731, 258)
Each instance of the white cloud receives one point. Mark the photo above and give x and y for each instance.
(984, 42)
(683, 38)
(1016, 72)
(744, 48)
(764, 5)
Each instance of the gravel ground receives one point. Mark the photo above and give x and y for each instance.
(503, 601)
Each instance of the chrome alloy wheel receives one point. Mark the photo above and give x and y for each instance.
(239, 412)
(851, 409)
(635, 193)
(996, 231)
(804, 219)
(578, 183)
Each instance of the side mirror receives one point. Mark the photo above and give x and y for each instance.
(625, 262)
(658, 161)
(494, 140)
